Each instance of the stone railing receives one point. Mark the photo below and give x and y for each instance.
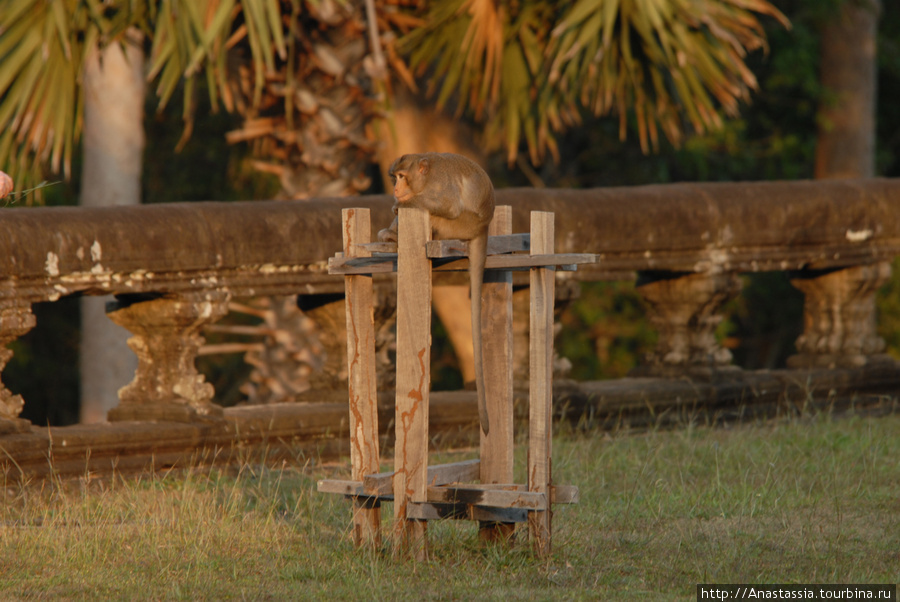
(173, 269)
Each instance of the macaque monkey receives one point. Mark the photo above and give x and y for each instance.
(460, 198)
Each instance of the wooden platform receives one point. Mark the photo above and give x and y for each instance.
(420, 492)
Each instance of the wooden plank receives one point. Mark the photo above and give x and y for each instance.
(540, 379)
(430, 511)
(453, 472)
(440, 474)
(413, 377)
(377, 264)
(495, 498)
(380, 247)
(498, 244)
(559, 494)
(520, 262)
(496, 448)
(363, 396)
(383, 264)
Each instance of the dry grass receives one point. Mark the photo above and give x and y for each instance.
(791, 501)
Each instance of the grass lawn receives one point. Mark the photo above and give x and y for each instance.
(804, 500)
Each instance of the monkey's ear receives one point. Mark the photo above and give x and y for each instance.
(424, 166)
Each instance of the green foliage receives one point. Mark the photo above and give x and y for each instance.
(605, 331)
(194, 35)
(529, 69)
(44, 44)
(42, 49)
(764, 321)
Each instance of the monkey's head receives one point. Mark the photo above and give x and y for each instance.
(408, 176)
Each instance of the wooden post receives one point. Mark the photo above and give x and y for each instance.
(413, 378)
(496, 326)
(364, 453)
(540, 379)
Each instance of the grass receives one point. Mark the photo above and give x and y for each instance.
(810, 501)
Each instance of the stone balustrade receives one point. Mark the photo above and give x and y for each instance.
(174, 268)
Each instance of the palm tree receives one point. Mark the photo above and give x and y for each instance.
(529, 69)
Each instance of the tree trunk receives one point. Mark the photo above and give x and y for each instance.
(846, 142)
(113, 151)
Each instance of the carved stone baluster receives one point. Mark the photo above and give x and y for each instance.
(15, 320)
(166, 339)
(328, 312)
(684, 310)
(839, 319)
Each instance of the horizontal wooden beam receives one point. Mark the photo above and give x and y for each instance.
(497, 245)
(559, 494)
(382, 264)
(436, 511)
(493, 498)
(488, 496)
(440, 474)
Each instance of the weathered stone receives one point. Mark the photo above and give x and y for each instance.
(839, 317)
(685, 311)
(254, 248)
(190, 250)
(15, 320)
(166, 339)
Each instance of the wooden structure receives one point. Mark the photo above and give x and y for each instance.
(421, 492)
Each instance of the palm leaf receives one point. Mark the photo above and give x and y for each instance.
(681, 57)
(40, 59)
(42, 52)
(659, 60)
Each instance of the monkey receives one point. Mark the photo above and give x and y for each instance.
(459, 195)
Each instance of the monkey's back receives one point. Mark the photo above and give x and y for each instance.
(475, 191)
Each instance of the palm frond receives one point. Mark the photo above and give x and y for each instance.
(40, 58)
(192, 37)
(42, 50)
(667, 60)
(672, 64)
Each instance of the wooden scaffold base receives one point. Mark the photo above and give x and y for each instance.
(421, 492)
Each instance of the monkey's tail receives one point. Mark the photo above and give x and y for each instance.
(477, 258)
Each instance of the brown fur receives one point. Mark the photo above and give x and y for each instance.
(460, 198)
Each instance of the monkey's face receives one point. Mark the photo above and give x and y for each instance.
(402, 191)
(405, 173)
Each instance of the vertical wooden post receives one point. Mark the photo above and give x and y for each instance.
(541, 379)
(364, 453)
(413, 377)
(496, 326)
